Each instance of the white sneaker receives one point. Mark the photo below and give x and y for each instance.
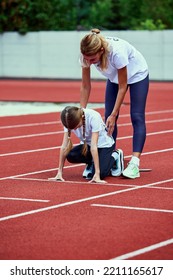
(118, 166)
(87, 171)
(131, 171)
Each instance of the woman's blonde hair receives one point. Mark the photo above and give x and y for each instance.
(91, 44)
(71, 117)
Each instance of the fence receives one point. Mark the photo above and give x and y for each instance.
(55, 54)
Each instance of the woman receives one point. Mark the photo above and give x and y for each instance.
(124, 67)
(96, 147)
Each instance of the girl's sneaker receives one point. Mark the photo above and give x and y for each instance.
(88, 171)
(118, 166)
(131, 171)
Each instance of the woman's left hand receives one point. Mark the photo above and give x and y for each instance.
(110, 124)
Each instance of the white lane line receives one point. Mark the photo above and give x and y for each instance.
(152, 113)
(29, 124)
(147, 122)
(24, 199)
(39, 171)
(162, 188)
(58, 147)
(72, 202)
(144, 250)
(154, 152)
(159, 182)
(148, 134)
(31, 135)
(61, 132)
(73, 182)
(132, 208)
(82, 182)
(74, 165)
(57, 122)
(62, 205)
(30, 151)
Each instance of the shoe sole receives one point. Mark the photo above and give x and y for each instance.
(131, 177)
(121, 160)
(121, 163)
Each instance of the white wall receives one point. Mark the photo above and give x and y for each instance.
(55, 54)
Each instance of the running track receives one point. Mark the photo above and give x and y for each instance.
(75, 220)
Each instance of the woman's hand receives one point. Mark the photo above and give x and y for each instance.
(110, 124)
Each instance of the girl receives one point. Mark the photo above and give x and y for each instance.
(124, 67)
(95, 148)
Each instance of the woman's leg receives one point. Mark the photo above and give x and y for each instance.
(110, 98)
(138, 97)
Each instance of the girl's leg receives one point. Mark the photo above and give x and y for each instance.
(110, 98)
(106, 161)
(75, 155)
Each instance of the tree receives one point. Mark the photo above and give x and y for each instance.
(34, 15)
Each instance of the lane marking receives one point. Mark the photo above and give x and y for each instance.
(148, 134)
(76, 165)
(24, 199)
(61, 132)
(29, 124)
(73, 182)
(31, 135)
(82, 182)
(58, 147)
(40, 171)
(132, 208)
(144, 250)
(55, 169)
(57, 122)
(56, 206)
(147, 122)
(30, 151)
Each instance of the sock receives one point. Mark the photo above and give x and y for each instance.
(135, 160)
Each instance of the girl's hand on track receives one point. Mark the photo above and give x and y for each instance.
(56, 178)
(97, 180)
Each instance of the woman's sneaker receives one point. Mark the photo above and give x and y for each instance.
(118, 166)
(131, 171)
(87, 173)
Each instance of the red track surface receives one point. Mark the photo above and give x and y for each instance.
(40, 219)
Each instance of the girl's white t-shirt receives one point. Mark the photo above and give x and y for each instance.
(93, 123)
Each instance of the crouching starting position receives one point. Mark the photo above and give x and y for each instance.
(96, 148)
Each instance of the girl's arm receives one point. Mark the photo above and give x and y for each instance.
(94, 152)
(62, 158)
(85, 87)
(122, 83)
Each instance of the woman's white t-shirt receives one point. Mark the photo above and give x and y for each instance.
(123, 54)
(93, 123)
